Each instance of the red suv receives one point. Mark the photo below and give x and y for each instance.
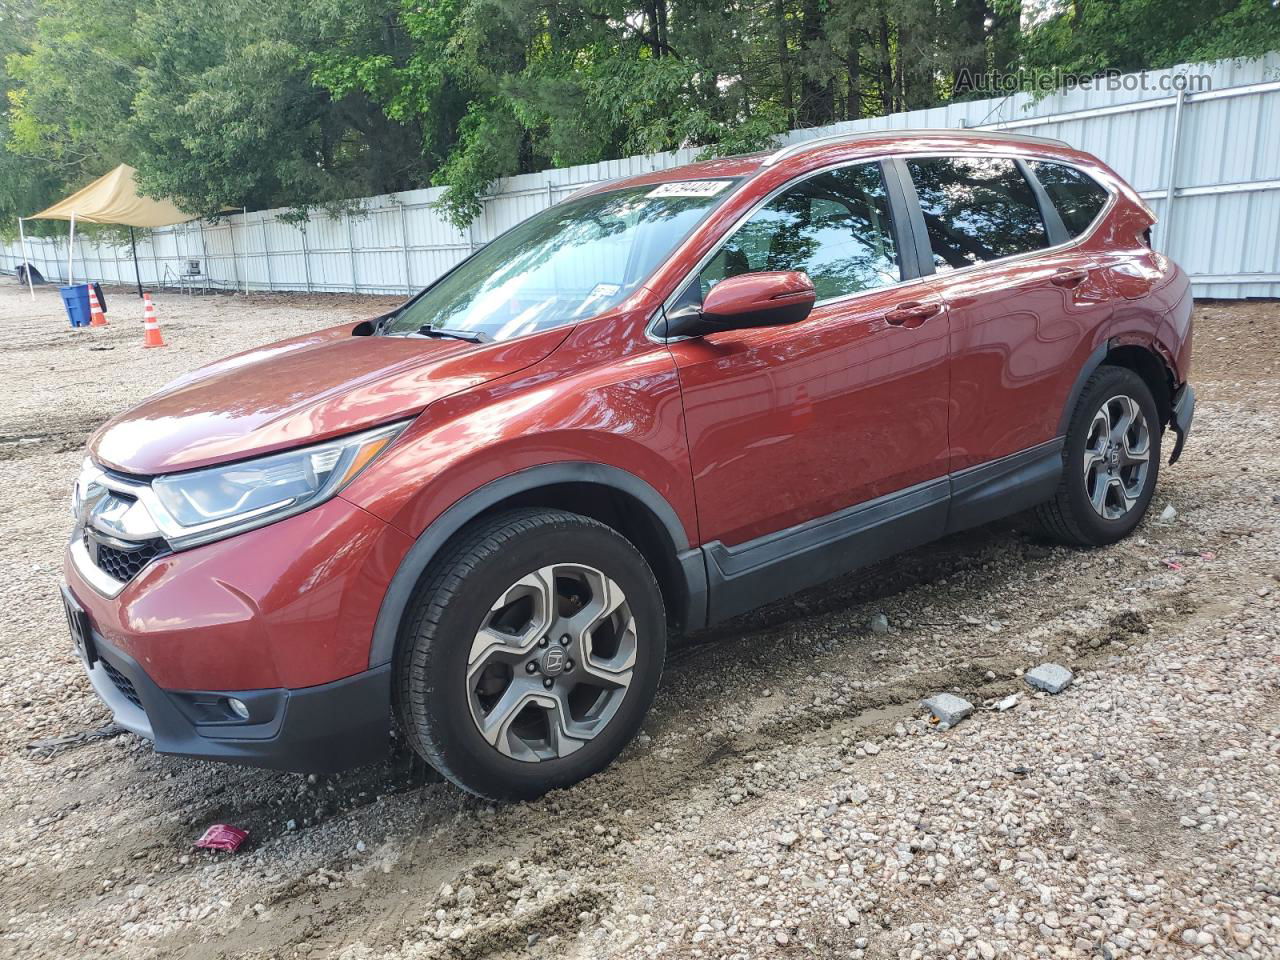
(660, 403)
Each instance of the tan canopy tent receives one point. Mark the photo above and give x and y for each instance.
(112, 198)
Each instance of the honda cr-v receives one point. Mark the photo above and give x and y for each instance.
(657, 404)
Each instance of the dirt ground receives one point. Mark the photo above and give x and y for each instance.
(787, 797)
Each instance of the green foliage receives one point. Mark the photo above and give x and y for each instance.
(304, 103)
(1096, 35)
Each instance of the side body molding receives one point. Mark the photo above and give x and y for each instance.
(749, 574)
(689, 561)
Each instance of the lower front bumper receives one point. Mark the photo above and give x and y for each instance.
(1184, 408)
(321, 729)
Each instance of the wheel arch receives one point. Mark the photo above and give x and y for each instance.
(608, 494)
(1143, 358)
(1154, 370)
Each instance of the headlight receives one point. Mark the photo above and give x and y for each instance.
(213, 503)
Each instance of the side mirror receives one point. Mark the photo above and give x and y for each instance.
(767, 299)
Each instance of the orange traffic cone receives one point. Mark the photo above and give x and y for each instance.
(96, 317)
(150, 324)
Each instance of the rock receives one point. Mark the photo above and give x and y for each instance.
(1008, 703)
(1050, 677)
(1167, 514)
(948, 708)
(879, 623)
(788, 838)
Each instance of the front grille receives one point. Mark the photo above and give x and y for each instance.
(124, 565)
(123, 683)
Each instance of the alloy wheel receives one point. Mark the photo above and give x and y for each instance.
(1117, 456)
(551, 663)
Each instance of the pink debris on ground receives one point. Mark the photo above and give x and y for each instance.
(222, 837)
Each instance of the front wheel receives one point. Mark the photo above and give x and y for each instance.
(532, 653)
(1111, 462)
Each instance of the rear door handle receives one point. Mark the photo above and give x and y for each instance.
(1066, 277)
(911, 314)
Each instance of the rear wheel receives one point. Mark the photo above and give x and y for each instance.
(1111, 462)
(532, 653)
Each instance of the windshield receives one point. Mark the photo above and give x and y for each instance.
(574, 260)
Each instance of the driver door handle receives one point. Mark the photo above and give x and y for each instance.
(911, 314)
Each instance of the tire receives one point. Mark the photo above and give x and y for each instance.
(1073, 516)
(451, 679)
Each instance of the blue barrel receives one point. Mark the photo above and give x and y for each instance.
(76, 299)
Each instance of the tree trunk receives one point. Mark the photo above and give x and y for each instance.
(817, 96)
(886, 68)
(784, 60)
(970, 54)
(853, 66)
(915, 75)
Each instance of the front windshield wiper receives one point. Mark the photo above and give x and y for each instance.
(472, 336)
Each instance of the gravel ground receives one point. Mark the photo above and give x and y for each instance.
(788, 797)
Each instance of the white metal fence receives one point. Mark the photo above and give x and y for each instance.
(1201, 143)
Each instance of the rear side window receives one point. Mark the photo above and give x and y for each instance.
(976, 209)
(1077, 196)
(834, 227)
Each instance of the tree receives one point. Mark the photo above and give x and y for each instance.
(227, 113)
(1096, 35)
(305, 102)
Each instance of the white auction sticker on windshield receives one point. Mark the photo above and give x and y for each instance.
(689, 188)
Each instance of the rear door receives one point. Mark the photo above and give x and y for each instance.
(1024, 302)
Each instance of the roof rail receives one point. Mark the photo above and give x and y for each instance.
(962, 132)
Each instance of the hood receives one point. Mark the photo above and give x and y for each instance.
(301, 391)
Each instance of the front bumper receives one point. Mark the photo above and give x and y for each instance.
(320, 729)
(1184, 408)
(279, 618)
(291, 605)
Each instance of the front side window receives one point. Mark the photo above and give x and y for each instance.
(1076, 195)
(835, 227)
(567, 263)
(976, 209)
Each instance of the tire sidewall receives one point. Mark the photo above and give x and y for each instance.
(1110, 382)
(439, 659)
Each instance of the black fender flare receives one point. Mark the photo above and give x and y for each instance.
(1092, 363)
(396, 599)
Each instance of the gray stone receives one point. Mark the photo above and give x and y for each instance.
(1050, 677)
(948, 708)
(879, 623)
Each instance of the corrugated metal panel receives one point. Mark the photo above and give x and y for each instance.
(1229, 241)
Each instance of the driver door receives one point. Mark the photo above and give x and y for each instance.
(795, 425)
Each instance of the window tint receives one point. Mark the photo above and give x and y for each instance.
(976, 209)
(1077, 195)
(834, 227)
